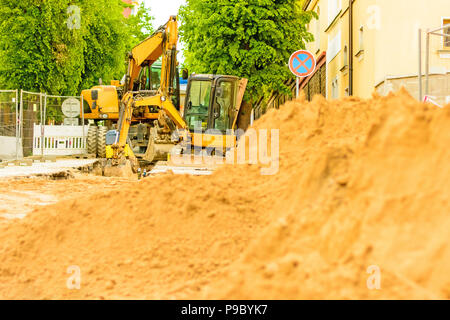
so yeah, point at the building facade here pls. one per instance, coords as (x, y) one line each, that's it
(383, 54)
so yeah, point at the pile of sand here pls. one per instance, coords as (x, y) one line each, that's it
(361, 183)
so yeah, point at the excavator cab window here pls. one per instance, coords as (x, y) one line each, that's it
(155, 77)
(176, 90)
(144, 82)
(197, 111)
(149, 78)
(223, 104)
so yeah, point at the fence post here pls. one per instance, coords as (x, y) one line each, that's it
(43, 117)
(17, 124)
(20, 120)
(83, 143)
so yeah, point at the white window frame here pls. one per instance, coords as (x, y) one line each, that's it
(318, 29)
(334, 46)
(337, 10)
(335, 88)
(361, 38)
(345, 53)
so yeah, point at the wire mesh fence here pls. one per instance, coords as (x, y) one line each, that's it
(63, 110)
(33, 123)
(31, 114)
(62, 127)
(8, 113)
(9, 142)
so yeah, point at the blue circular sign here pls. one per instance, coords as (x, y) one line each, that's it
(302, 63)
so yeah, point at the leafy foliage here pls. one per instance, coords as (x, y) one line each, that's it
(140, 25)
(246, 38)
(62, 46)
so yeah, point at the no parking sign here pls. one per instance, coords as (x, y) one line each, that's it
(302, 64)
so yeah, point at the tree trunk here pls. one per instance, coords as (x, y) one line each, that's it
(243, 121)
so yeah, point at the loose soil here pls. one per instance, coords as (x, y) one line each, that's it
(362, 185)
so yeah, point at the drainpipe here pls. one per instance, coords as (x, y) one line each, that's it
(350, 49)
(427, 65)
(420, 65)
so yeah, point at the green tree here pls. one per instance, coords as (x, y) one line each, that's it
(141, 25)
(63, 46)
(246, 38)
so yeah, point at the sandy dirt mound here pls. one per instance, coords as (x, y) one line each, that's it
(19, 196)
(361, 183)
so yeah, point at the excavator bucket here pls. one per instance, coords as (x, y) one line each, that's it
(123, 170)
(124, 167)
(158, 152)
(159, 146)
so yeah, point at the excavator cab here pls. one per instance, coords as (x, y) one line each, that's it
(149, 79)
(211, 103)
(211, 111)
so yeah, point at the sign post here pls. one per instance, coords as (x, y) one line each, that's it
(302, 64)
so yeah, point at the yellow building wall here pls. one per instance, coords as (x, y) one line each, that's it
(390, 40)
(363, 61)
(396, 43)
(321, 40)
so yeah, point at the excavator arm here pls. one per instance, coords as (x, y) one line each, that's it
(163, 43)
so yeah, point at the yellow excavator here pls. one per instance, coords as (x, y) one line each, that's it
(145, 116)
(144, 78)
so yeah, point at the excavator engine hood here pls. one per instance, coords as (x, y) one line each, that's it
(103, 102)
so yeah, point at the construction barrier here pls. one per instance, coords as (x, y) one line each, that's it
(59, 140)
(62, 130)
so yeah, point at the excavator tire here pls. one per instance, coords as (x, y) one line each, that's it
(92, 140)
(101, 142)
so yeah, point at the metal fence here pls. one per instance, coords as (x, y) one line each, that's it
(33, 123)
(63, 130)
(8, 112)
(31, 114)
(434, 88)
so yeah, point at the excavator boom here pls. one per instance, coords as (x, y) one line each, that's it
(163, 43)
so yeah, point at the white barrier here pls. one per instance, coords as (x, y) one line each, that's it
(10, 148)
(59, 140)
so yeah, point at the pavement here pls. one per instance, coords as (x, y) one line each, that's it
(194, 170)
(181, 170)
(44, 168)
